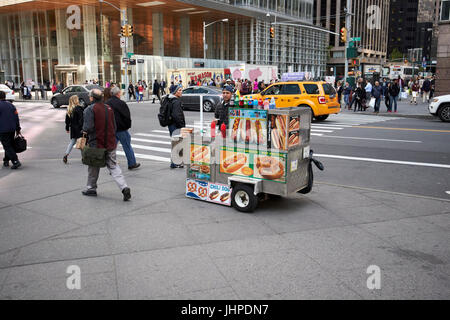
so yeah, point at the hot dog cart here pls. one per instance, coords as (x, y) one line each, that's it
(265, 152)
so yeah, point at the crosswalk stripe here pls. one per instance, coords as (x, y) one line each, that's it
(317, 134)
(146, 157)
(151, 141)
(151, 135)
(161, 131)
(326, 131)
(334, 128)
(139, 146)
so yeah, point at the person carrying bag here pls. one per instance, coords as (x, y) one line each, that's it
(100, 151)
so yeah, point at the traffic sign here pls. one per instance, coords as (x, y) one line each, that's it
(356, 39)
(125, 60)
(130, 54)
(122, 42)
(140, 60)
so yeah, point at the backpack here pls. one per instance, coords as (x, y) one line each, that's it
(165, 112)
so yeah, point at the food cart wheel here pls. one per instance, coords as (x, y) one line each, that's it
(243, 198)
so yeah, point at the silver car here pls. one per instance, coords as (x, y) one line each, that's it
(212, 97)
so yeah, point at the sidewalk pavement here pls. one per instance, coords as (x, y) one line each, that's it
(162, 245)
(405, 110)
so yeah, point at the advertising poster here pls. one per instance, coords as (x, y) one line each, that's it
(220, 194)
(294, 131)
(248, 126)
(253, 164)
(197, 189)
(200, 162)
(278, 132)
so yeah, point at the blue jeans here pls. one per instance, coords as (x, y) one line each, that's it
(377, 104)
(172, 128)
(125, 139)
(70, 146)
(346, 99)
(393, 101)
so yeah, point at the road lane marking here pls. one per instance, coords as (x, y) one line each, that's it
(403, 129)
(420, 164)
(329, 127)
(325, 131)
(152, 141)
(447, 192)
(372, 139)
(146, 157)
(317, 134)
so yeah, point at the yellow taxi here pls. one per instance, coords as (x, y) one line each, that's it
(320, 96)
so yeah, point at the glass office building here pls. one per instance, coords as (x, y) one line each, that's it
(74, 41)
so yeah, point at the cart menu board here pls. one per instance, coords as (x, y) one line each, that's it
(263, 165)
(294, 131)
(207, 191)
(200, 166)
(248, 126)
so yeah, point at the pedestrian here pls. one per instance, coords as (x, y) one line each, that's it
(340, 89)
(163, 87)
(255, 86)
(222, 110)
(400, 84)
(415, 92)
(123, 123)
(130, 91)
(74, 123)
(141, 92)
(9, 127)
(426, 88)
(106, 94)
(100, 127)
(387, 101)
(358, 98)
(136, 91)
(347, 91)
(156, 91)
(377, 93)
(394, 92)
(368, 89)
(177, 115)
(172, 86)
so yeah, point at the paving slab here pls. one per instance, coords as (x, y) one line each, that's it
(226, 293)
(229, 230)
(20, 227)
(64, 249)
(148, 232)
(7, 258)
(297, 213)
(284, 274)
(440, 220)
(100, 286)
(94, 229)
(345, 248)
(167, 272)
(367, 214)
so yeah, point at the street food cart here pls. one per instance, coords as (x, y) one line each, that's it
(264, 152)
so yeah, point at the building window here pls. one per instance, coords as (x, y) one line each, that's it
(445, 10)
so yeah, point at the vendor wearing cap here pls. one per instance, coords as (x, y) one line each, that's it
(221, 112)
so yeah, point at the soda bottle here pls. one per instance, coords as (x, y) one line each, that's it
(236, 100)
(272, 103)
(260, 104)
(245, 103)
(255, 104)
(241, 102)
(266, 104)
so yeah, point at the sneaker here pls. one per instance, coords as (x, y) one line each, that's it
(89, 193)
(137, 165)
(65, 159)
(16, 165)
(389, 111)
(126, 194)
(173, 166)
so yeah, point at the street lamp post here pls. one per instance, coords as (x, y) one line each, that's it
(123, 19)
(204, 34)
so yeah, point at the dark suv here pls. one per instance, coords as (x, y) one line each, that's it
(82, 91)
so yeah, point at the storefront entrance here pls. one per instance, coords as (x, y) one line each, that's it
(68, 75)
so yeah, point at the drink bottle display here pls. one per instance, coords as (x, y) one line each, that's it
(245, 102)
(272, 103)
(266, 104)
(241, 102)
(255, 104)
(236, 99)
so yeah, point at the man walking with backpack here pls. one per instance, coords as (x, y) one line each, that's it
(100, 127)
(171, 114)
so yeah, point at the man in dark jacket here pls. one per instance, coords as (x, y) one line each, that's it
(222, 110)
(130, 91)
(100, 127)
(156, 90)
(377, 93)
(123, 122)
(9, 126)
(177, 114)
(394, 92)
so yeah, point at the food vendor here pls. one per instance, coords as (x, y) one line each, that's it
(221, 112)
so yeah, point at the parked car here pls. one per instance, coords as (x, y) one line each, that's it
(317, 95)
(9, 93)
(212, 96)
(82, 91)
(440, 107)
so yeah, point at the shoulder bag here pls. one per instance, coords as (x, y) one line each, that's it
(96, 157)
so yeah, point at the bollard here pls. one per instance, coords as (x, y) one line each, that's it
(36, 95)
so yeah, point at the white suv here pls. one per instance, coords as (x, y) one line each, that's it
(9, 93)
(440, 107)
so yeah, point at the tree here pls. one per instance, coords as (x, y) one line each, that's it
(396, 54)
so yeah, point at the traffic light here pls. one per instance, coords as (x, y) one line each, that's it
(130, 30)
(272, 32)
(344, 35)
(123, 31)
(355, 62)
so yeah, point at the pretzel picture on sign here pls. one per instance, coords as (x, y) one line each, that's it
(192, 187)
(202, 192)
